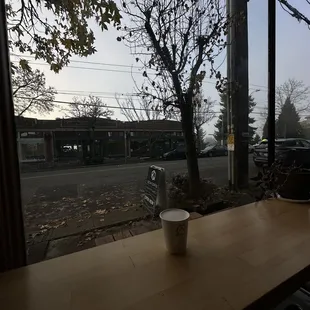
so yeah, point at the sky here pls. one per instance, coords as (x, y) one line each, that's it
(292, 61)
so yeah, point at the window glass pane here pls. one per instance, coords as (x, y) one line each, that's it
(289, 143)
(32, 151)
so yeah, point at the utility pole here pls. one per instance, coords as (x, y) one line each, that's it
(228, 101)
(239, 82)
(222, 140)
(271, 80)
(125, 145)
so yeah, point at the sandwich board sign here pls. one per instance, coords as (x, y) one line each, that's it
(155, 197)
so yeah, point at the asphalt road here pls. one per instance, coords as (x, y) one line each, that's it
(215, 168)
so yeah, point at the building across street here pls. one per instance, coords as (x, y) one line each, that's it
(85, 139)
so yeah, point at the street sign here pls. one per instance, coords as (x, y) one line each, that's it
(154, 197)
(231, 142)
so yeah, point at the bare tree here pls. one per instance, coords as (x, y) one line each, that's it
(298, 94)
(175, 39)
(296, 91)
(92, 107)
(294, 12)
(30, 92)
(143, 110)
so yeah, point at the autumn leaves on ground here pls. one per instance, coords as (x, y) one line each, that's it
(57, 211)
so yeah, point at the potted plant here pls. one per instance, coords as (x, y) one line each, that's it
(288, 177)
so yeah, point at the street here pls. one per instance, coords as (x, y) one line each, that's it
(215, 168)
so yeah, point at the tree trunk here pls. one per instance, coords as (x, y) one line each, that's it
(191, 154)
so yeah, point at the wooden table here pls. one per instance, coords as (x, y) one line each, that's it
(248, 257)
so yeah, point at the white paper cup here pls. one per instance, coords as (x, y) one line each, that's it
(175, 226)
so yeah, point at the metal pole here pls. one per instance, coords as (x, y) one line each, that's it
(271, 79)
(125, 145)
(228, 96)
(12, 238)
(240, 92)
(222, 142)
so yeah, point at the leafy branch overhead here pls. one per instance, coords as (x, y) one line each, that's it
(56, 30)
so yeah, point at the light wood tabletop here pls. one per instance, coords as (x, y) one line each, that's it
(248, 257)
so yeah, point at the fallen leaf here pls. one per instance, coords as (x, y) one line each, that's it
(101, 211)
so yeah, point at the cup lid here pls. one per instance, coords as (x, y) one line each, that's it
(174, 215)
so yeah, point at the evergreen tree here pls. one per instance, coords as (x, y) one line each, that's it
(200, 136)
(288, 125)
(221, 124)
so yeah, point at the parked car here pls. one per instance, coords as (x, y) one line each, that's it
(178, 153)
(214, 150)
(264, 141)
(283, 150)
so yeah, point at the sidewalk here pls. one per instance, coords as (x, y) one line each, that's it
(59, 210)
(101, 220)
(73, 210)
(79, 235)
(67, 245)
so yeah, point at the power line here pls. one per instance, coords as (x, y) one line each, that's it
(129, 95)
(109, 64)
(93, 105)
(89, 68)
(89, 92)
(121, 96)
(118, 107)
(133, 72)
(88, 62)
(137, 109)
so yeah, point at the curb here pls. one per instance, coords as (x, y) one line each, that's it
(120, 223)
(89, 166)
